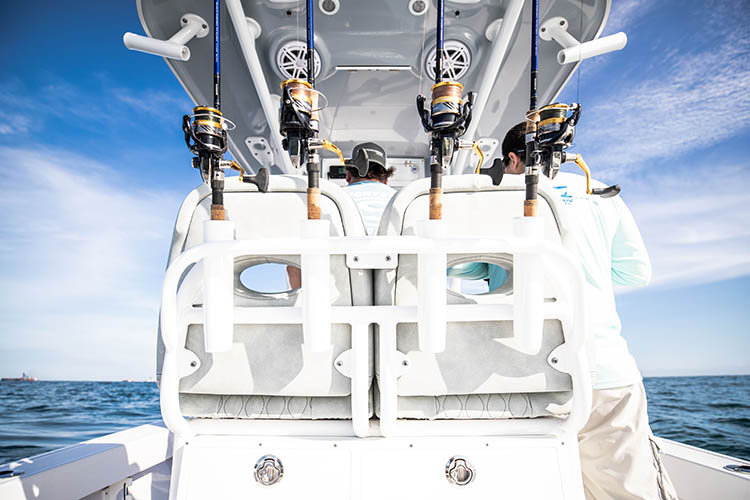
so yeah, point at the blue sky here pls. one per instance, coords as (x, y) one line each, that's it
(93, 167)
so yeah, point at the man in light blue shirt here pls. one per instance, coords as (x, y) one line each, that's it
(619, 458)
(367, 178)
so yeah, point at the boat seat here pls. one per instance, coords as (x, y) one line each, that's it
(481, 374)
(267, 374)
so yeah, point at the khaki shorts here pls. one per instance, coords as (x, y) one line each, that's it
(619, 458)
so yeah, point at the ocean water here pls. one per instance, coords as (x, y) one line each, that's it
(35, 417)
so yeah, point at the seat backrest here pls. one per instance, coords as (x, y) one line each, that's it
(482, 373)
(267, 374)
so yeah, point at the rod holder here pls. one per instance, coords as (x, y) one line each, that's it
(218, 290)
(192, 26)
(556, 28)
(316, 286)
(431, 283)
(528, 288)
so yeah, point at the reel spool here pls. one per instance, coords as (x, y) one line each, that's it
(206, 128)
(446, 104)
(298, 118)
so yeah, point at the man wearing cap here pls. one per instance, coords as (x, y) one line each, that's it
(367, 178)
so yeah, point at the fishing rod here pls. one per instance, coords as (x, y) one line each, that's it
(206, 137)
(532, 119)
(446, 120)
(299, 122)
(549, 132)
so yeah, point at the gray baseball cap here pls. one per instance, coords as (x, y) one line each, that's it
(365, 154)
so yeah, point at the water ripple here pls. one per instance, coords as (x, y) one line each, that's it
(708, 412)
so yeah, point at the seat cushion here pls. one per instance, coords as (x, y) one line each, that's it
(481, 374)
(267, 365)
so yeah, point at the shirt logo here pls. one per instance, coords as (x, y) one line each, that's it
(566, 198)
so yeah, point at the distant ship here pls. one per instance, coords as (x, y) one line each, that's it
(22, 378)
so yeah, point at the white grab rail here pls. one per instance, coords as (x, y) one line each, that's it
(570, 357)
(175, 48)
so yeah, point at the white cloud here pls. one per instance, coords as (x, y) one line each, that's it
(81, 265)
(696, 227)
(697, 99)
(624, 13)
(106, 105)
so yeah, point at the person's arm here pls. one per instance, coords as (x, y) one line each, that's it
(630, 263)
(294, 274)
(470, 271)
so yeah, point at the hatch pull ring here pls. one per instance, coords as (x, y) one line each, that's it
(268, 470)
(175, 48)
(459, 471)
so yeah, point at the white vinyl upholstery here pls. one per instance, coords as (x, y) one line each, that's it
(481, 374)
(267, 374)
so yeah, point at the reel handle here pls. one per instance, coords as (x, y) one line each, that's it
(607, 192)
(496, 171)
(261, 179)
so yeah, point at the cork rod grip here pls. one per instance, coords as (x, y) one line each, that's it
(218, 212)
(436, 203)
(313, 203)
(529, 208)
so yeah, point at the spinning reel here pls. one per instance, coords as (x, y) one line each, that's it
(206, 137)
(555, 132)
(298, 122)
(446, 120)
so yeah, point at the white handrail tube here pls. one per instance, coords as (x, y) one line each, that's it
(498, 51)
(528, 287)
(556, 28)
(431, 283)
(593, 48)
(316, 277)
(174, 48)
(247, 31)
(218, 296)
(570, 356)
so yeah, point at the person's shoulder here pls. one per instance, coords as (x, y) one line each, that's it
(569, 179)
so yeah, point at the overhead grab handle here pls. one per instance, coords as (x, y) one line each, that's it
(556, 28)
(174, 48)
